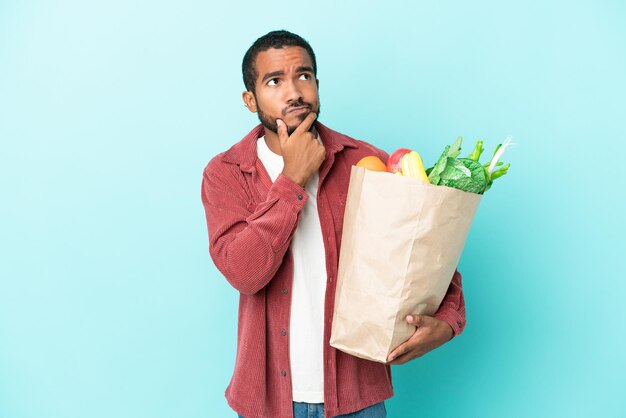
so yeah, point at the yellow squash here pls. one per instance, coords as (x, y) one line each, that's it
(412, 166)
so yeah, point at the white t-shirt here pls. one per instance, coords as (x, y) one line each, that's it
(306, 329)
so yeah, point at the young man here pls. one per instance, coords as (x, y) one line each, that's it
(274, 207)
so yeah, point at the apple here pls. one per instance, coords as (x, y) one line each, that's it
(394, 162)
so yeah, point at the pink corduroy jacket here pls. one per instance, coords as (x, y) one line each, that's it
(250, 223)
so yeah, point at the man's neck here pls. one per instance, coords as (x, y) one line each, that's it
(273, 143)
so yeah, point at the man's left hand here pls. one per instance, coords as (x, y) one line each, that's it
(430, 334)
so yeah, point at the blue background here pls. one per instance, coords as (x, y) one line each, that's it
(109, 110)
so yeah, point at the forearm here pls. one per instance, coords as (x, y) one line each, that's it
(248, 250)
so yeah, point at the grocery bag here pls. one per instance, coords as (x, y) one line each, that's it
(402, 241)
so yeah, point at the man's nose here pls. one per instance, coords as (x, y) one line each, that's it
(292, 92)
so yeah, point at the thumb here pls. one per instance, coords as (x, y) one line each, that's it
(282, 131)
(415, 320)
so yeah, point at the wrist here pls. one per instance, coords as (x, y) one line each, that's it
(295, 178)
(449, 331)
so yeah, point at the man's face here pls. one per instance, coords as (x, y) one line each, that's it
(286, 88)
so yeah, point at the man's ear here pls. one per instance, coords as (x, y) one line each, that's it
(249, 101)
(318, 83)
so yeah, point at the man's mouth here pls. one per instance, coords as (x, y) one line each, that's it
(298, 109)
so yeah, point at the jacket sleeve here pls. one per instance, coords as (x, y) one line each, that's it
(247, 244)
(452, 308)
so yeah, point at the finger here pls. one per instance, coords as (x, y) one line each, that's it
(418, 322)
(401, 359)
(400, 350)
(306, 123)
(415, 320)
(282, 130)
(417, 340)
(406, 357)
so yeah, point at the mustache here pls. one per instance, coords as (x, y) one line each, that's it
(298, 103)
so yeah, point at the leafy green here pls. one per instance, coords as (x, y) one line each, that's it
(440, 165)
(500, 172)
(467, 174)
(496, 174)
(478, 149)
(455, 149)
(451, 151)
(494, 155)
(464, 174)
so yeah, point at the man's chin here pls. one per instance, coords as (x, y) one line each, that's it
(301, 119)
(274, 128)
(271, 125)
(293, 123)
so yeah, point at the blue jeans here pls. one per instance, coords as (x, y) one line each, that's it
(316, 410)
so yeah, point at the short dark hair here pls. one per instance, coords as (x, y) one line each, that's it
(275, 39)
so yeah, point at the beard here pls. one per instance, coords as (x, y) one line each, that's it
(269, 122)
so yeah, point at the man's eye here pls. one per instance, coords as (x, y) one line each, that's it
(272, 82)
(305, 77)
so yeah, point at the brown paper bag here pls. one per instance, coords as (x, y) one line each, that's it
(402, 241)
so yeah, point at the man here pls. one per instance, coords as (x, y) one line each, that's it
(274, 206)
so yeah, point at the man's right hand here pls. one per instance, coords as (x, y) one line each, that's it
(302, 153)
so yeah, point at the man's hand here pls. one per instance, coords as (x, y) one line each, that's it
(302, 153)
(430, 334)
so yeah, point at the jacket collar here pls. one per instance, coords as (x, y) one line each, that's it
(244, 153)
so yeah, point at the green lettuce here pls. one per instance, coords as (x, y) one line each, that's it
(451, 151)
(467, 174)
(464, 174)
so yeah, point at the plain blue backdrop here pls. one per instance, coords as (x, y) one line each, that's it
(109, 110)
